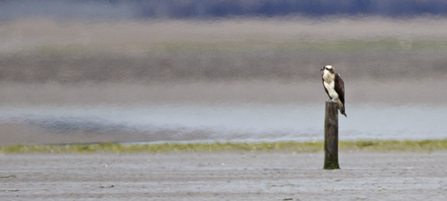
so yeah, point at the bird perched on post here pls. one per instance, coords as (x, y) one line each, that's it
(334, 87)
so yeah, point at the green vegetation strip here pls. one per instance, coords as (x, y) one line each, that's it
(363, 145)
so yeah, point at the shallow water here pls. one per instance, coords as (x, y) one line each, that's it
(232, 122)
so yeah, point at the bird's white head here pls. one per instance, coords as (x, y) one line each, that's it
(328, 68)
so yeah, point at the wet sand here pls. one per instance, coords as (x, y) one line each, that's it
(224, 176)
(398, 92)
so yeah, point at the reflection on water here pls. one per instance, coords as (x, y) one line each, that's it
(243, 122)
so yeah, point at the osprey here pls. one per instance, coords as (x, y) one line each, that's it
(334, 87)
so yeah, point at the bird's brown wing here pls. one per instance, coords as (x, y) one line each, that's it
(340, 88)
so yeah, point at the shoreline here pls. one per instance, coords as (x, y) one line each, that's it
(287, 146)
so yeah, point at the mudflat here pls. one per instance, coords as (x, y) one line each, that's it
(224, 176)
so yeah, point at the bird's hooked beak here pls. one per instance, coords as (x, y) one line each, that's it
(322, 69)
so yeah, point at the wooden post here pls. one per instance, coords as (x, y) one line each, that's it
(331, 136)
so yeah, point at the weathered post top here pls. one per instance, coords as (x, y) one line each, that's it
(331, 136)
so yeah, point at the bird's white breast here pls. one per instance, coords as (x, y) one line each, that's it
(331, 90)
(329, 84)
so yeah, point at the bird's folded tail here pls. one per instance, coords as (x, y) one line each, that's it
(341, 107)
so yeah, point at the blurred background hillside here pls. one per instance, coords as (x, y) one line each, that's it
(146, 41)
